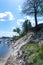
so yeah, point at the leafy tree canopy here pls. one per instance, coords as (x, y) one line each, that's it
(33, 7)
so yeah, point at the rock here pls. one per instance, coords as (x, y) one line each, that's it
(16, 55)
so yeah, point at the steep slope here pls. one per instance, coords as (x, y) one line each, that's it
(13, 59)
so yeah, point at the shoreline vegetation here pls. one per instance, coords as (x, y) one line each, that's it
(20, 48)
(27, 48)
(16, 51)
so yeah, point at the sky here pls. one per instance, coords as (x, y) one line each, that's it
(11, 17)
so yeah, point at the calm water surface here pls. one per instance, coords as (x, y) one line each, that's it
(4, 49)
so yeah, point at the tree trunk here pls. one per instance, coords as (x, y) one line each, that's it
(36, 19)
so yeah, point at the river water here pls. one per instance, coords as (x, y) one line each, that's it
(4, 49)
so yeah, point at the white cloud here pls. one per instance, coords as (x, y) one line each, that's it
(6, 16)
(19, 1)
(29, 17)
(6, 33)
(15, 0)
(40, 22)
(20, 21)
(19, 8)
(13, 28)
(32, 20)
(2, 19)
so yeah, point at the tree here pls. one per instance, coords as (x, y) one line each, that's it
(26, 25)
(33, 7)
(17, 30)
(29, 26)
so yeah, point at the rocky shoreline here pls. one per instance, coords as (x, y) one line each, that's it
(15, 57)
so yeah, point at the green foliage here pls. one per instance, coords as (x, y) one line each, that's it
(33, 7)
(34, 52)
(26, 25)
(25, 28)
(15, 38)
(31, 46)
(22, 34)
(41, 52)
(17, 30)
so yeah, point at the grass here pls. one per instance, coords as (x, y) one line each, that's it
(34, 52)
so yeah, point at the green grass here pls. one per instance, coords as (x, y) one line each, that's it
(34, 52)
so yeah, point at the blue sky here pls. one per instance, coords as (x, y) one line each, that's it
(11, 17)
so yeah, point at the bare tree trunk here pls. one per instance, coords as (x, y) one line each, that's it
(36, 19)
(35, 14)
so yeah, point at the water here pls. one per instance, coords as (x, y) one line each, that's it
(4, 49)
